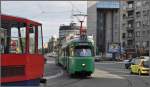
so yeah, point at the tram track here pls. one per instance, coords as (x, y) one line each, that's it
(145, 82)
(129, 83)
(71, 83)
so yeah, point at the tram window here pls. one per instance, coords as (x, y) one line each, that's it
(2, 44)
(23, 39)
(83, 51)
(40, 49)
(71, 50)
(2, 39)
(32, 40)
(17, 43)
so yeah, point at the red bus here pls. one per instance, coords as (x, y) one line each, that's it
(22, 62)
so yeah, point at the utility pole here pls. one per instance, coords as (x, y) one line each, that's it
(81, 21)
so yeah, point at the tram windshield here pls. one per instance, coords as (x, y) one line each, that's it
(83, 51)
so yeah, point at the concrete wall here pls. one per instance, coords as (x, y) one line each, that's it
(92, 17)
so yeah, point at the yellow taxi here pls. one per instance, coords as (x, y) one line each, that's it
(140, 66)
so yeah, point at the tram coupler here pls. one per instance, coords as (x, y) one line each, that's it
(43, 80)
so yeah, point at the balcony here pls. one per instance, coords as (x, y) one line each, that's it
(130, 8)
(130, 29)
(130, 14)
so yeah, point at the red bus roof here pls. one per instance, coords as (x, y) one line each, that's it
(10, 19)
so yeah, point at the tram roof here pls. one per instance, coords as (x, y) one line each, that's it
(14, 19)
(75, 40)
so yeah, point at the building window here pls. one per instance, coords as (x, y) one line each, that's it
(138, 33)
(124, 16)
(147, 44)
(138, 14)
(145, 23)
(144, 44)
(123, 35)
(130, 42)
(123, 44)
(130, 5)
(145, 13)
(143, 33)
(146, 3)
(138, 4)
(130, 35)
(137, 44)
(138, 24)
(130, 24)
(148, 32)
(130, 13)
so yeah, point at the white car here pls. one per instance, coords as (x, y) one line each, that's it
(97, 58)
(145, 57)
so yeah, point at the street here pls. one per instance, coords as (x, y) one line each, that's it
(75, 43)
(107, 74)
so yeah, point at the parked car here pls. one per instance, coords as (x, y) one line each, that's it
(140, 66)
(145, 57)
(129, 62)
(97, 58)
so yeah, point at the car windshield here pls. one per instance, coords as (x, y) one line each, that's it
(146, 64)
(83, 51)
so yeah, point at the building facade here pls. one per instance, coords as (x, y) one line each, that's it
(127, 23)
(138, 26)
(66, 30)
(104, 23)
(53, 44)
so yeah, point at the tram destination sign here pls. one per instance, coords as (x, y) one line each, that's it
(83, 44)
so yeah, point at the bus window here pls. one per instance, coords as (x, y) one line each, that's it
(83, 51)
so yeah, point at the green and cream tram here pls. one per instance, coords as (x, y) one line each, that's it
(77, 57)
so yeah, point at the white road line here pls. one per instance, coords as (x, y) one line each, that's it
(54, 76)
(105, 74)
(109, 63)
(50, 62)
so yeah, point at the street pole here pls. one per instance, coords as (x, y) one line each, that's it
(81, 27)
(81, 21)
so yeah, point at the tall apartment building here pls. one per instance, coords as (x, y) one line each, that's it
(138, 26)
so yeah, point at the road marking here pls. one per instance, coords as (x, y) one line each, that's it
(50, 62)
(54, 76)
(105, 74)
(108, 62)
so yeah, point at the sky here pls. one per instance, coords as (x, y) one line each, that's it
(51, 14)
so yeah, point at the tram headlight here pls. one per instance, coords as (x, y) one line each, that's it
(83, 65)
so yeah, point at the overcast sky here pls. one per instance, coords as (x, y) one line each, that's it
(50, 13)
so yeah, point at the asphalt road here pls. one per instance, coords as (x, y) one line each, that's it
(107, 74)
